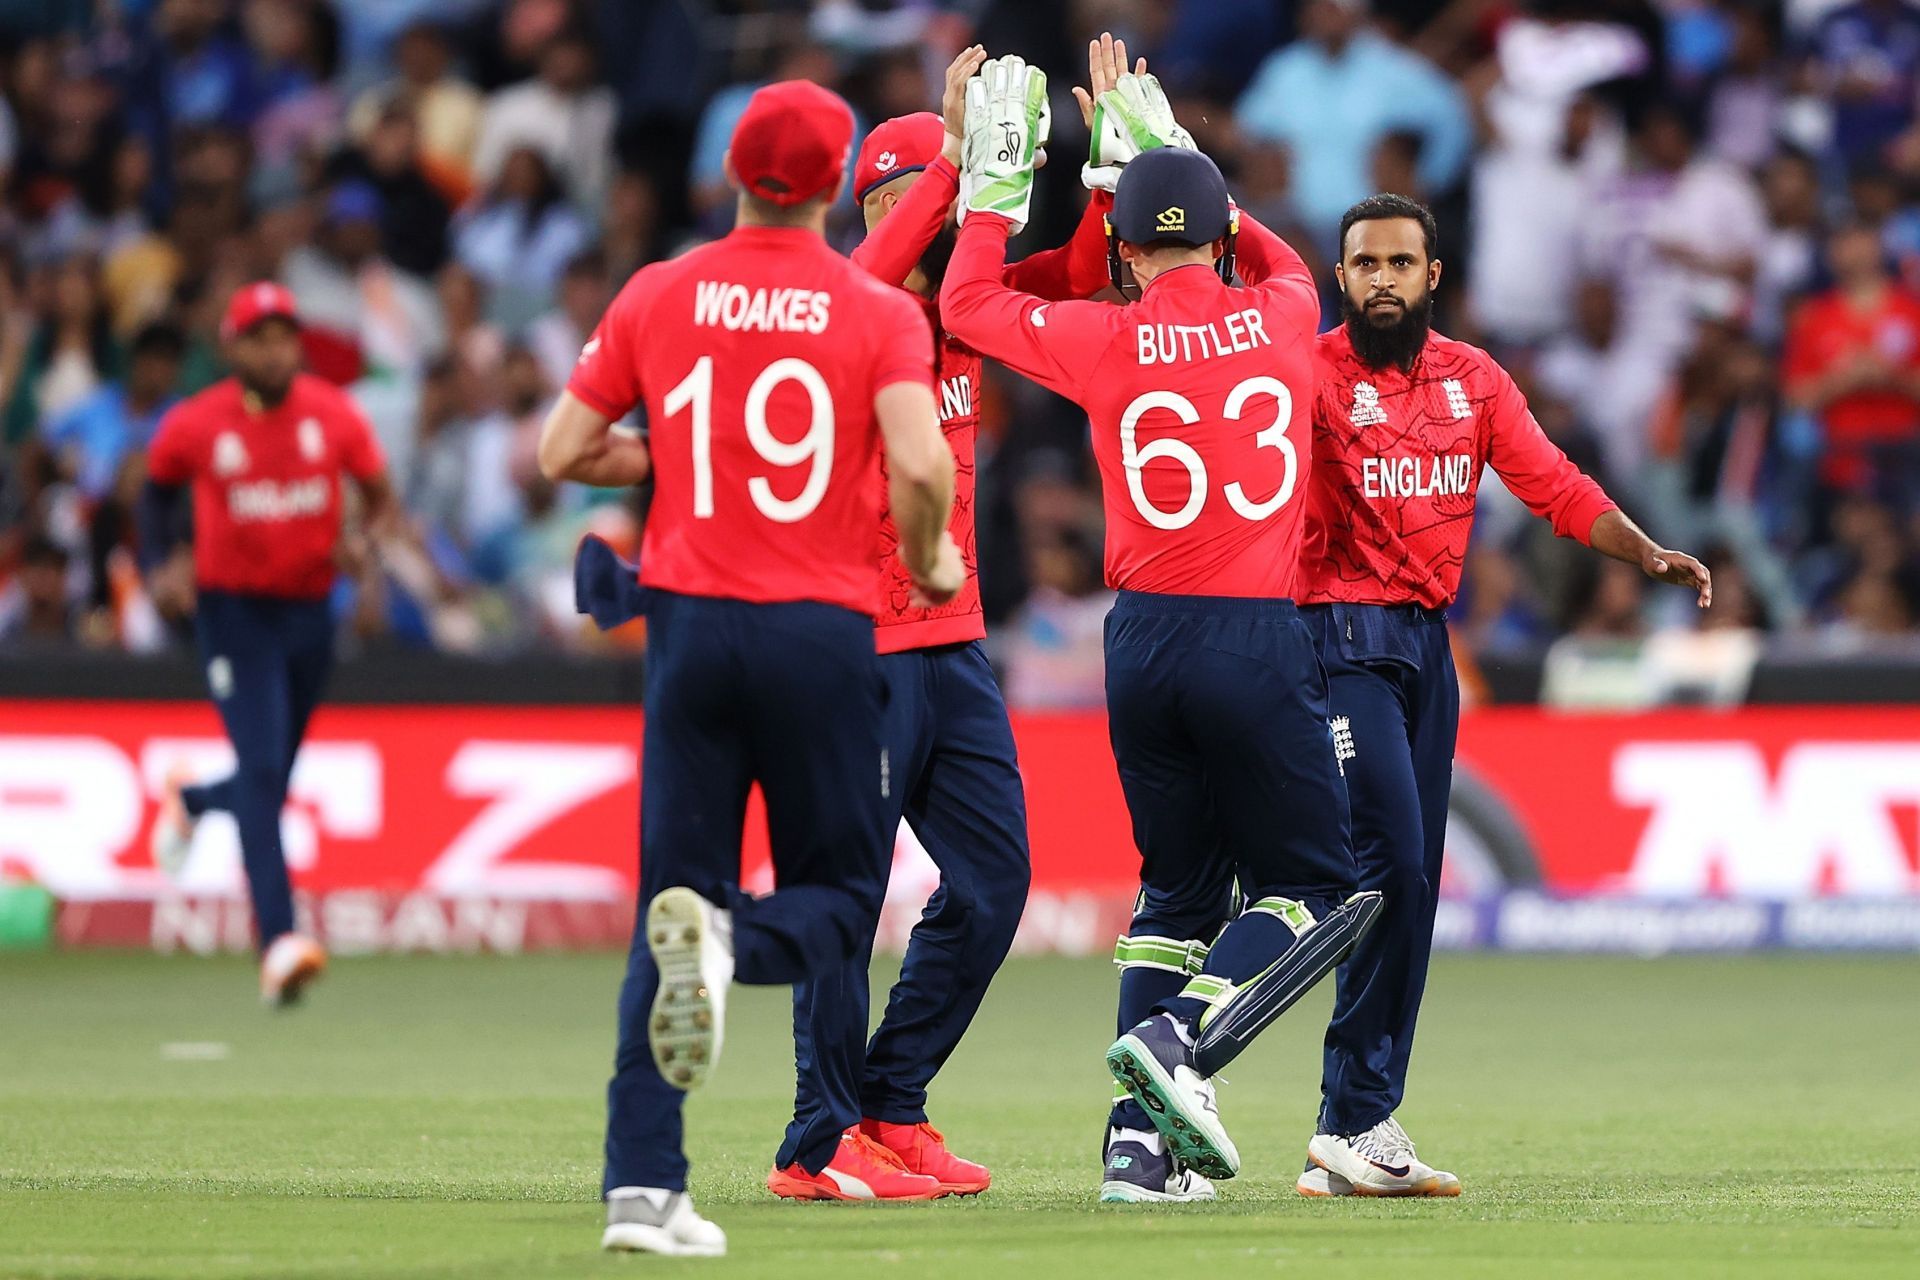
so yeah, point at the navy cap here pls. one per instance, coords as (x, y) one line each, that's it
(1170, 194)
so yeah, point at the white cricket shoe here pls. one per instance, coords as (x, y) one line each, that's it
(692, 944)
(292, 961)
(1140, 1171)
(654, 1220)
(172, 836)
(1379, 1162)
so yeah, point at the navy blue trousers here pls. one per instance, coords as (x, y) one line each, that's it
(954, 777)
(1391, 678)
(267, 662)
(1217, 709)
(788, 696)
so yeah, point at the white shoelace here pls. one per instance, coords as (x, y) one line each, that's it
(1386, 1142)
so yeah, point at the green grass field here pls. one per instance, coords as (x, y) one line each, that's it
(1749, 1117)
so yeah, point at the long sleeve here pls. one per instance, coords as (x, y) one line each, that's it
(161, 519)
(1057, 344)
(1261, 256)
(892, 249)
(1269, 264)
(1076, 269)
(1536, 470)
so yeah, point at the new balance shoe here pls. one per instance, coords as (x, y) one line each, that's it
(1154, 1062)
(1139, 1171)
(692, 944)
(292, 961)
(172, 836)
(923, 1150)
(1379, 1162)
(861, 1169)
(655, 1220)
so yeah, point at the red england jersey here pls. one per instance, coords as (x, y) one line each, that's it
(890, 252)
(1396, 466)
(758, 357)
(1198, 396)
(266, 483)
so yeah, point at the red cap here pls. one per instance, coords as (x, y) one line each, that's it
(792, 141)
(904, 144)
(252, 303)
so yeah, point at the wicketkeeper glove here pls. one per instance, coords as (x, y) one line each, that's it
(1131, 117)
(1007, 122)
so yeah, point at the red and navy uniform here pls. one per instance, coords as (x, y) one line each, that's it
(1199, 396)
(266, 489)
(1398, 457)
(758, 359)
(950, 746)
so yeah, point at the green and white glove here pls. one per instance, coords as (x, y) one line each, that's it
(1007, 122)
(1131, 117)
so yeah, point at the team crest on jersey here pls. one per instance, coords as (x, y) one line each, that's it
(229, 454)
(1366, 405)
(1457, 402)
(313, 442)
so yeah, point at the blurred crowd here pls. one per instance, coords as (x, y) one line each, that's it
(1690, 227)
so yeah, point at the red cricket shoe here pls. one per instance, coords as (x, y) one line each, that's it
(861, 1169)
(922, 1150)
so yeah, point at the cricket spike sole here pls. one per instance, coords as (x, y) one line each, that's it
(1442, 1186)
(1316, 952)
(684, 1023)
(1187, 1137)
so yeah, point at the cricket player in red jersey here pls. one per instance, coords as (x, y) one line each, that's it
(1403, 425)
(955, 777)
(264, 452)
(1198, 395)
(772, 370)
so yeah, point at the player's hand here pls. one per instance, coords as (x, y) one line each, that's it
(1007, 121)
(953, 102)
(943, 581)
(171, 586)
(1132, 117)
(1682, 570)
(1106, 63)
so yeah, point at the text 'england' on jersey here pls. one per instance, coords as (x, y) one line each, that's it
(758, 358)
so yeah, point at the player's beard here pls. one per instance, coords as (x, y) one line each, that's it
(933, 263)
(1398, 343)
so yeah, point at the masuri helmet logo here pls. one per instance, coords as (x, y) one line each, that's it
(1171, 218)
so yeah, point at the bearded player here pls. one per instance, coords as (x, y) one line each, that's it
(860, 1128)
(1199, 396)
(1403, 424)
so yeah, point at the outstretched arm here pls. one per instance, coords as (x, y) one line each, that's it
(895, 246)
(1617, 536)
(1076, 269)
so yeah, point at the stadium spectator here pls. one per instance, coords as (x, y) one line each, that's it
(557, 336)
(1321, 98)
(1852, 361)
(414, 212)
(94, 437)
(364, 313)
(562, 114)
(1865, 58)
(518, 238)
(446, 109)
(36, 608)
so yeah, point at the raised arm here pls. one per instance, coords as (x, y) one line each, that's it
(1056, 344)
(1076, 269)
(896, 244)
